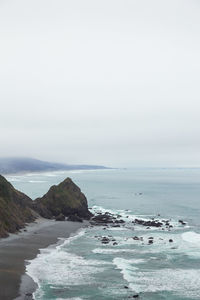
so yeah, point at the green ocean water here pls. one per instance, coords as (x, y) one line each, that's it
(81, 267)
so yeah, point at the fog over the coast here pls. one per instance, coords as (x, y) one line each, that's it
(101, 82)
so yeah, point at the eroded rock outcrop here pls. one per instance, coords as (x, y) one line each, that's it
(65, 198)
(62, 200)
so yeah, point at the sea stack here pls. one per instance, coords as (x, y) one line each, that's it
(62, 200)
(65, 198)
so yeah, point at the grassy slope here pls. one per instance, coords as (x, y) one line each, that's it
(15, 208)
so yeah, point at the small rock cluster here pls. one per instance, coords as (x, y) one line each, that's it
(107, 218)
(107, 239)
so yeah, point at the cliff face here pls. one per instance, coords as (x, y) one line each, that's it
(15, 208)
(65, 198)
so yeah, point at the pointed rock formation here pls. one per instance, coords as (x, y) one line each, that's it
(65, 198)
(62, 200)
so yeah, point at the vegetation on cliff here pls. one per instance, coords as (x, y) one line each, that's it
(65, 198)
(17, 209)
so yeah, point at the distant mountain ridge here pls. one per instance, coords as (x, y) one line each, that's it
(13, 165)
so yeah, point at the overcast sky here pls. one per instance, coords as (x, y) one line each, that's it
(102, 82)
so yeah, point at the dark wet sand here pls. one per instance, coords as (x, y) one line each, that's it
(14, 250)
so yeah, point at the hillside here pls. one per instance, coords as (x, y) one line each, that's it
(14, 165)
(15, 208)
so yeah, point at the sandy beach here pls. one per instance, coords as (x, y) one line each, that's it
(17, 248)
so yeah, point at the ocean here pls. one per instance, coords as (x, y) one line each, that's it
(81, 267)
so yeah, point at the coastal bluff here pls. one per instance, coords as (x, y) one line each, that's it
(62, 200)
(15, 209)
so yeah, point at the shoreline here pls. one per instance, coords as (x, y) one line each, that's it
(16, 249)
(24, 173)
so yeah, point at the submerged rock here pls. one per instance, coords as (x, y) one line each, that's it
(136, 238)
(150, 242)
(182, 222)
(105, 240)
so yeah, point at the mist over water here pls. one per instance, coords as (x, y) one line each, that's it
(103, 82)
(81, 267)
(113, 83)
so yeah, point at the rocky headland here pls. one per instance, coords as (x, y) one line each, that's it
(15, 209)
(14, 165)
(61, 201)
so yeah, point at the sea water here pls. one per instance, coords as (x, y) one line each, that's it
(81, 267)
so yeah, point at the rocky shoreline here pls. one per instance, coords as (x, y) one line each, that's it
(62, 201)
(109, 220)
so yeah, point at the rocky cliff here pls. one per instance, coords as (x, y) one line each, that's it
(15, 208)
(65, 198)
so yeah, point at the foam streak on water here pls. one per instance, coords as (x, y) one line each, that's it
(82, 267)
(79, 260)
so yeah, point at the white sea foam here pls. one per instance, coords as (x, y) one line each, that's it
(37, 181)
(192, 237)
(186, 243)
(125, 268)
(178, 281)
(72, 238)
(118, 229)
(191, 244)
(112, 251)
(13, 179)
(50, 174)
(182, 282)
(74, 298)
(58, 267)
(129, 217)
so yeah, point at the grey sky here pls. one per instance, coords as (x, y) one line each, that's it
(108, 82)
